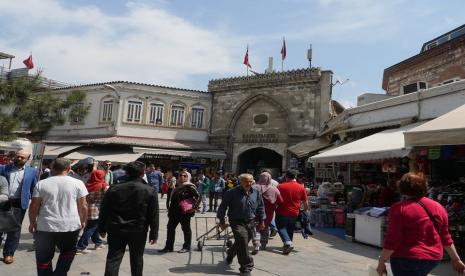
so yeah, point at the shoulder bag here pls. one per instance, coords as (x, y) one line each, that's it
(430, 216)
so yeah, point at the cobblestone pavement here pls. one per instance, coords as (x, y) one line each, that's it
(322, 254)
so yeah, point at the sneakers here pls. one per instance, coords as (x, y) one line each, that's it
(287, 249)
(82, 251)
(263, 247)
(255, 250)
(273, 232)
(99, 246)
(184, 250)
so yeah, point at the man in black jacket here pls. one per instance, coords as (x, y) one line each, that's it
(127, 211)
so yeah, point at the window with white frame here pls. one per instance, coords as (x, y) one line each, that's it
(197, 117)
(156, 113)
(134, 111)
(177, 115)
(107, 110)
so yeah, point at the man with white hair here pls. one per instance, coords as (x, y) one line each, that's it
(245, 206)
(21, 180)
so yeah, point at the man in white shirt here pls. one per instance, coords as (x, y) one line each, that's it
(57, 213)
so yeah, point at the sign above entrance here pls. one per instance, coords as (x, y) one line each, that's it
(259, 138)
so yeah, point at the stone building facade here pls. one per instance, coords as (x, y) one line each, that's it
(256, 118)
(441, 61)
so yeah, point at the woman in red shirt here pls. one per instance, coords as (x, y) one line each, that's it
(414, 242)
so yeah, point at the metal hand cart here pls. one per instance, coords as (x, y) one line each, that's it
(210, 231)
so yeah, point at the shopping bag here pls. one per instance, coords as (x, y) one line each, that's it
(10, 218)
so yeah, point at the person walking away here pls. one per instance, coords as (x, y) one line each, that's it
(57, 213)
(184, 201)
(127, 212)
(203, 188)
(418, 231)
(96, 187)
(21, 179)
(118, 172)
(293, 195)
(154, 178)
(271, 198)
(216, 190)
(244, 205)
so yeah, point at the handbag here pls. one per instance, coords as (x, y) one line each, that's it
(10, 218)
(187, 206)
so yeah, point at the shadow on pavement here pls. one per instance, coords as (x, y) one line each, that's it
(220, 268)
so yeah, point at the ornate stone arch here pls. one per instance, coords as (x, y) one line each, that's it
(251, 100)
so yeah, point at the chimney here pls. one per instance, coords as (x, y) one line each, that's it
(270, 66)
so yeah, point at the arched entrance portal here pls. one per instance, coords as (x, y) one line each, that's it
(255, 159)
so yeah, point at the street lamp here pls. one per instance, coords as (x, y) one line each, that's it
(118, 110)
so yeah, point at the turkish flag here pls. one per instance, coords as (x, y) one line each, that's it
(246, 58)
(283, 50)
(28, 62)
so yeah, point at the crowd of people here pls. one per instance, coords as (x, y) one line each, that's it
(69, 206)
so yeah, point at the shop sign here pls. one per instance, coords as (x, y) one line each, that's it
(434, 153)
(389, 167)
(324, 173)
(161, 156)
(259, 138)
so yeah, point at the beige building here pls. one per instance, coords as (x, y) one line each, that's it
(255, 119)
(161, 124)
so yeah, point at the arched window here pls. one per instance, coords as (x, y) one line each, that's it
(197, 115)
(156, 111)
(177, 114)
(134, 110)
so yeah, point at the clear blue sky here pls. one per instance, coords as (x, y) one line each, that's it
(187, 43)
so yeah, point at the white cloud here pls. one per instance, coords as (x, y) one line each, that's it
(84, 44)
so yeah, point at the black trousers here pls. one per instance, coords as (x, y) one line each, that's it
(117, 243)
(243, 233)
(45, 250)
(173, 222)
(213, 200)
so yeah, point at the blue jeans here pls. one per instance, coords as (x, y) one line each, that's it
(286, 226)
(12, 239)
(273, 225)
(90, 232)
(412, 267)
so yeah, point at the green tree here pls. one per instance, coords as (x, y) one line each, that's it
(25, 104)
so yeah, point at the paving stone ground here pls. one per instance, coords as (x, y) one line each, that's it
(322, 254)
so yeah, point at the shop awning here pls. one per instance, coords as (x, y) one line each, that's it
(118, 156)
(448, 129)
(383, 145)
(303, 148)
(390, 123)
(52, 151)
(212, 154)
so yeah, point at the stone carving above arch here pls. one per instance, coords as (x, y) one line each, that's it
(243, 106)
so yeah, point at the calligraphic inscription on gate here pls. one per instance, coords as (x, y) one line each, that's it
(259, 138)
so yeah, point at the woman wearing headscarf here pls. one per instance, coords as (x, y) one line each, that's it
(96, 186)
(271, 198)
(184, 201)
(418, 231)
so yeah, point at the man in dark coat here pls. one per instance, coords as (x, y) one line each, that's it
(127, 211)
